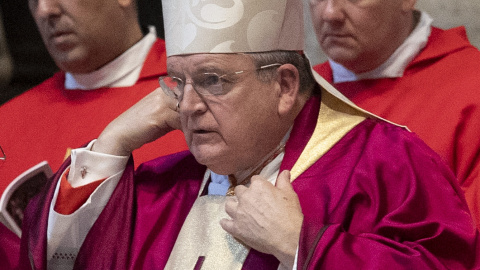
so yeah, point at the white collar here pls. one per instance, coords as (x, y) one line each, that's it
(123, 71)
(395, 65)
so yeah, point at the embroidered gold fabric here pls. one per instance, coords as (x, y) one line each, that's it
(337, 116)
(202, 235)
(335, 119)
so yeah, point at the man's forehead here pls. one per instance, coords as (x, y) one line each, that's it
(206, 62)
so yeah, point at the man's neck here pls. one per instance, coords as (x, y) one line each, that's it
(121, 72)
(267, 167)
(396, 64)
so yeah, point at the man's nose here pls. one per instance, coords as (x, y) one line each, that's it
(332, 10)
(192, 101)
(45, 8)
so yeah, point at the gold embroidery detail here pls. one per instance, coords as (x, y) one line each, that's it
(67, 154)
(335, 119)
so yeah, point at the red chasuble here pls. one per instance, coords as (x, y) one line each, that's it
(46, 121)
(437, 98)
(370, 202)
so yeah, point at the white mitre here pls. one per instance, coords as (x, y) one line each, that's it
(232, 26)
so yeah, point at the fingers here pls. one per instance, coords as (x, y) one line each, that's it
(283, 180)
(240, 190)
(231, 206)
(168, 109)
(228, 225)
(173, 103)
(258, 180)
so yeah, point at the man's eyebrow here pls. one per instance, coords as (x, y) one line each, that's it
(175, 72)
(201, 69)
(209, 69)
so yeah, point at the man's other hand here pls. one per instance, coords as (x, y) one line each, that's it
(265, 217)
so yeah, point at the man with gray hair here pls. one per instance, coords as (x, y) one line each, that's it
(282, 172)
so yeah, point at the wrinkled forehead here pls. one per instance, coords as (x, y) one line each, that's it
(207, 62)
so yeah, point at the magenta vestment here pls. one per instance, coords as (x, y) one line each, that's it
(438, 98)
(371, 202)
(9, 242)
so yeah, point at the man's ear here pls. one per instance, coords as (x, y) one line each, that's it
(288, 80)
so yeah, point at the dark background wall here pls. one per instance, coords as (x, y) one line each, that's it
(32, 63)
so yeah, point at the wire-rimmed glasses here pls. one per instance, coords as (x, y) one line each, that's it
(204, 83)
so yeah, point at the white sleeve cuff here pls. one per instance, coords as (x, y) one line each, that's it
(88, 166)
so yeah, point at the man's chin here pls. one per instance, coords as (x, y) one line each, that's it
(74, 63)
(215, 164)
(340, 55)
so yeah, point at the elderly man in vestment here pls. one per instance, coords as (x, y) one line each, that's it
(282, 171)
